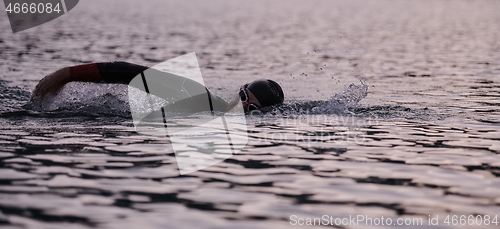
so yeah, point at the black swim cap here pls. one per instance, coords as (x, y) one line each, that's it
(267, 92)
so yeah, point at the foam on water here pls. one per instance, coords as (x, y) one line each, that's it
(348, 98)
(86, 98)
(12, 97)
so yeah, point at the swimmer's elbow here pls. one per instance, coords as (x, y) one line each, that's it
(65, 75)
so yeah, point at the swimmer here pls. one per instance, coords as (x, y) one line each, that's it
(254, 95)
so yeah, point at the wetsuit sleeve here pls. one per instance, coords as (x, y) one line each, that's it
(217, 103)
(85, 72)
(109, 72)
(119, 71)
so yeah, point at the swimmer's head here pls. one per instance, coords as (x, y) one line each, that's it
(261, 93)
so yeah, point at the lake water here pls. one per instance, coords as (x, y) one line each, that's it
(416, 134)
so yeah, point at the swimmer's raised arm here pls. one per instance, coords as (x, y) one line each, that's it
(109, 72)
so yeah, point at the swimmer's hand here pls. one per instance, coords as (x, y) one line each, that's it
(51, 84)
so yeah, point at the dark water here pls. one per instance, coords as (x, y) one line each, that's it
(424, 141)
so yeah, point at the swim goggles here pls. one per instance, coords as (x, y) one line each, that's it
(244, 99)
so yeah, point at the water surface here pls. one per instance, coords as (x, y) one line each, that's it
(420, 138)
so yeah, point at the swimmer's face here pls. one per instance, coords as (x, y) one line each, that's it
(248, 99)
